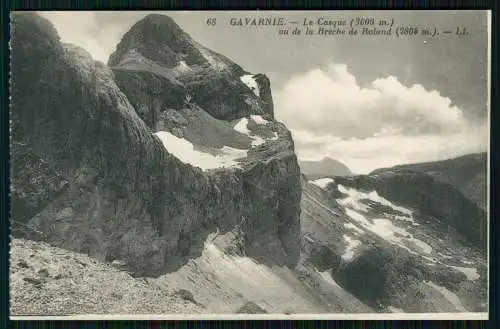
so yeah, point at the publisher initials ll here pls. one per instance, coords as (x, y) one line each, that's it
(461, 31)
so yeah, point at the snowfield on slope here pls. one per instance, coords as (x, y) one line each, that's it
(182, 67)
(322, 182)
(355, 199)
(390, 229)
(225, 282)
(382, 225)
(242, 127)
(351, 245)
(470, 272)
(386, 230)
(259, 119)
(184, 151)
(251, 83)
(351, 223)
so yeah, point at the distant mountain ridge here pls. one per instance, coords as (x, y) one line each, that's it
(325, 167)
(467, 173)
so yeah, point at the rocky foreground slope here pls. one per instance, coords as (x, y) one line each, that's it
(46, 280)
(164, 176)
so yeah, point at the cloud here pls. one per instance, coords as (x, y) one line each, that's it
(84, 30)
(383, 124)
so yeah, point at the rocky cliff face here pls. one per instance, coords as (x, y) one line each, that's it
(126, 197)
(158, 66)
(385, 252)
(34, 185)
(466, 173)
(435, 201)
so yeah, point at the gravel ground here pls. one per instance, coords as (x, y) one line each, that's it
(46, 280)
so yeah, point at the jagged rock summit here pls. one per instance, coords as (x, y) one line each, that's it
(157, 50)
(158, 38)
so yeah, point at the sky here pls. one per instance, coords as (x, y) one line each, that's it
(368, 102)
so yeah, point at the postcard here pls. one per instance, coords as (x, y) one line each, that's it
(250, 164)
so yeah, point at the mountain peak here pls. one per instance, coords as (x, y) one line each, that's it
(324, 167)
(158, 38)
(157, 46)
(159, 22)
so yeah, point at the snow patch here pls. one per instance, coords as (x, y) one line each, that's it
(357, 217)
(422, 245)
(444, 256)
(351, 245)
(353, 227)
(449, 295)
(251, 83)
(467, 262)
(431, 259)
(256, 140)
(322, 182)
(395, 309)
(327, 276)
(385, 229)
(183, 67)
(184, 151)
(259, 120)
(470, 272)
(397, 235)
(373, 196)
(405, 219)
(355, 199)
(242, 127)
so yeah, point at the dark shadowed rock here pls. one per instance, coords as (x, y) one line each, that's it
(321, 241)
(434, 201)
(323, 258)
(343, 234)
(127, 197)
(34, 184)
(377, 274)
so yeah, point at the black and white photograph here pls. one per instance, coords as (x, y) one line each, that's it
(249, 164)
